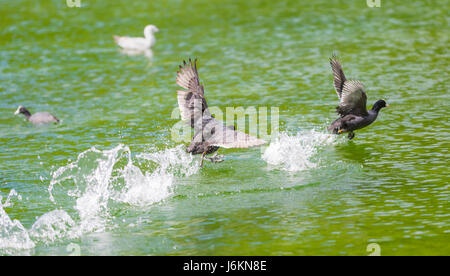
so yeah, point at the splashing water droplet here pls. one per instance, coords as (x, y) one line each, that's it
(13, 235)
(102, 177)
(294, 152)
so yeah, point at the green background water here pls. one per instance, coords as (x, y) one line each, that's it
(390, 185)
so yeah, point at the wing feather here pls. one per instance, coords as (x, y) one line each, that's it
(338, 75)
(192, 102)
(353, 99)
(213, 132)
(228, 137)
(351, 93)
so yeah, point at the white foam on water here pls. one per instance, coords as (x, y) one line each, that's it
(143, 189)
(53, 226)
(97, 182)
(13, 235)
(174, 160)
(294, 152)
(103, 178)
(91, 174)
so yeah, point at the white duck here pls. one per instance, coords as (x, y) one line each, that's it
(138, 43)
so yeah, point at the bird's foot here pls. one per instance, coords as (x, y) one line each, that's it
(203, 158)
(216, 158)
(351, 135)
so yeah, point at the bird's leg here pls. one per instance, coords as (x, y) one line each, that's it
(351, 134)
(216, 158)
(203, 156)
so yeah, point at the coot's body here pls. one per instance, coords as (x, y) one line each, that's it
(209, 133)
(37, 118)
(352, 105)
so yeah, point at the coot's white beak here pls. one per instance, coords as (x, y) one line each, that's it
(17, 111)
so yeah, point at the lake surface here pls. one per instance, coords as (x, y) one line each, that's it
(110, 180)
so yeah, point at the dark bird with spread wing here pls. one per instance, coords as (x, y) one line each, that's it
(352, 104)
(209, 134)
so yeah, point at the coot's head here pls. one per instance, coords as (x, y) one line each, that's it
(379, 105)
(22, 110)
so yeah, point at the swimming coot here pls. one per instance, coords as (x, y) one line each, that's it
(37, 118)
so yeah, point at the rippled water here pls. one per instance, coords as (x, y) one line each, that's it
(110, 180)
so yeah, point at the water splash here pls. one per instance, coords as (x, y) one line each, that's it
(13, 235)
(98, 182)
(53, 226)
(102, 179)
(174, 160)
(143, 189)
(92, 175)
(295, 152)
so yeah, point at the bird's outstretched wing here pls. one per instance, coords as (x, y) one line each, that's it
(353, 99)
(338, 75)
(227, 137)
(351, 93)
(192, 102)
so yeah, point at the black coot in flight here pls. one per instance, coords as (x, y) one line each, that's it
(209, 134)
(352, 104)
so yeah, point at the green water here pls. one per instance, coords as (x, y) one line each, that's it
(327, 196)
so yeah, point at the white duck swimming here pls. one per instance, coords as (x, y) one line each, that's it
(138, 43)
